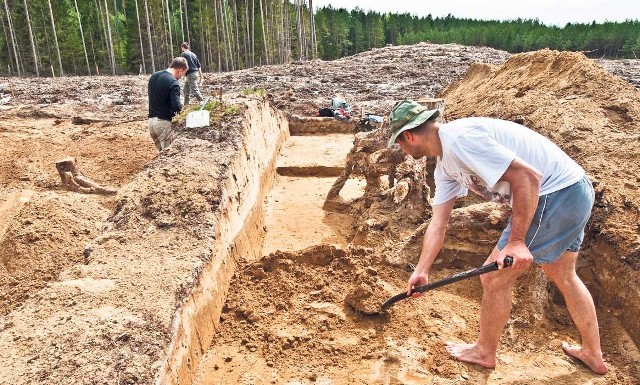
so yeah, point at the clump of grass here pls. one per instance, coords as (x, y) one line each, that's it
(216, 108)
(230, 110)
(255, 91)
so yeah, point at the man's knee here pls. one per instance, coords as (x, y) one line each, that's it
(499, 280)
(562, 271)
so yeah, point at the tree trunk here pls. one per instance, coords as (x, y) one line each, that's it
(84, 45)
(285, 31)
(112, 60)
(125, 20)
(208, 37)
(223, 37)
(271, 14)
(203, 52)
(43, 18)
(314, 41)
(181, 21)
(144, 67)
(55, 38)
(186, 21)
(253, 32)
(264, 33)
(215, 15)
(13, 40)
(6, 39)
(228, 36)
(164, 40)
(116, 29)
(102, 31)
(237, 35)
(33, 44)
(301, 53)
(247, 41)
(146, 10)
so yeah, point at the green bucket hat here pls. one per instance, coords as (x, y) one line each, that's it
(407, 114)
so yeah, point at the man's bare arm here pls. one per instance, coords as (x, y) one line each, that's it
(431, 243)
(525, 189)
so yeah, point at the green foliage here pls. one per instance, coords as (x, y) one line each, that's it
(231, 110)
(255, 91)
(139, 36)
(613, 40)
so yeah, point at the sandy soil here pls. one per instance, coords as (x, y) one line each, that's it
(286, 320)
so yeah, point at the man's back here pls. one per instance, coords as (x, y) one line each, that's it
(192, 61)
(477, 151)
(164, 96)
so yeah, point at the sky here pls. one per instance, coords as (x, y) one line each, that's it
(549, 12)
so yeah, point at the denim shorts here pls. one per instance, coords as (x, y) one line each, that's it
(559, 222)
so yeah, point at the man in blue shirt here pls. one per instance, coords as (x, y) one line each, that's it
(164, 102)
(191, 84)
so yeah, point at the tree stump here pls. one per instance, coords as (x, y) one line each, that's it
(73, 179)
(371, 158)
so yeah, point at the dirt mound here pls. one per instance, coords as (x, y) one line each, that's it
(293, 313)
(49, 236)
(591, 114)
(288, 318)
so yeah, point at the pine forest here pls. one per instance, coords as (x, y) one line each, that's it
(116, 37)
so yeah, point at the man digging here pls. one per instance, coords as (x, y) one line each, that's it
(551, 200)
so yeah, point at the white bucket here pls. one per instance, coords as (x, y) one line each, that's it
(198, 118)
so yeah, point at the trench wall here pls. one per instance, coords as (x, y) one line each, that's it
(239, 235)
(304, 125)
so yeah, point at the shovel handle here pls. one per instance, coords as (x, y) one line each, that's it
(204, 103)
(508, 261)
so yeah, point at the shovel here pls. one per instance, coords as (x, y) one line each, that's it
(508, 261)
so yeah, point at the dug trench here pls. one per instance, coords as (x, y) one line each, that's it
(308, 311)
(222, 260)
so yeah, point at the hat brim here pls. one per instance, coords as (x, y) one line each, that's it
(413, 123)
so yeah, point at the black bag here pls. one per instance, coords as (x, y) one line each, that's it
(326, 112)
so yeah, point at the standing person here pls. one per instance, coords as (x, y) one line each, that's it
(191, 84)
(164, 102)
(551, 200)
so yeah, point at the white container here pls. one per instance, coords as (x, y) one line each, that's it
(198, 118)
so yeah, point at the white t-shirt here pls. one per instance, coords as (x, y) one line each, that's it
(476, 152)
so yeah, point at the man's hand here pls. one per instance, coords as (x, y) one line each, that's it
(522, 257)
(417, 279)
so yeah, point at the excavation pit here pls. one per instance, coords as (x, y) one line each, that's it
(216, 263)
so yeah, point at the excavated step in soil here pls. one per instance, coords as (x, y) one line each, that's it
(306, 169)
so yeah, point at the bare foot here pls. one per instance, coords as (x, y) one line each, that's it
(471, 353)
(593, 361)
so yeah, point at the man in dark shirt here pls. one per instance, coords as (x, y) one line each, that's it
(164, 102)
(191, 83)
